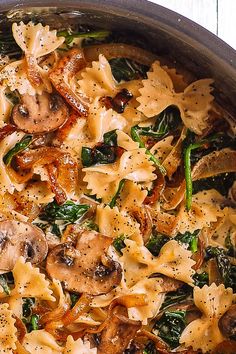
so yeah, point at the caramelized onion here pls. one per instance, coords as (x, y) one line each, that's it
(119, 50)
(66, 69)
(64, 130)
(21, 329)
(158, 188)
(81, 306)
(143, 217)
(60, 194)
(7, 130)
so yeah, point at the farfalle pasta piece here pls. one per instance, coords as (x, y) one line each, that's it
(194, 102)
(174, 261)
(100, 120)
(124, 141)
(162, 148)
(38, 192)
(8, 331)
(97, 81)
(7, 183)
(36, 41)
(130, 196)
(14, 76)
(29, 282)
(154, 298)
(78, 347)
(205, 209)
(113, 223)
(41, 342)
(103, 180)
(213, 301)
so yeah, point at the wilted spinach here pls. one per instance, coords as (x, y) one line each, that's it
(119, 189)
(189, 239)
(101, 154)
(19, 147)
(166, 123)
(156, 242)
(4, 284)
(126, 69)
(74, 298)
(110, 138)
(226, 269)
(230, 247)
(150, 349)
(222, 183)
(170, 327)
(68, 212)
(70, 35)
(119, 243)
(201, 279)
(30, 320)
(175, 297)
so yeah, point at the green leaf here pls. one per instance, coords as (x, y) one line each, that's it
(170, 327)
(102, 154)
(19, 147)
(89, 225)
(119, 244)
(150, 348)
(190, 239)
(69, 212)
(229, 245)
(120, 187)
(156, 242)
(124, 69)
(27, 305)
(74, 298)
(166, 122)
(110, 138)
(175, 297)
(70, 36)
(201, 279)
(226, 269)
(4, 284)
(222, 183)
(34, 322)
(135, 136)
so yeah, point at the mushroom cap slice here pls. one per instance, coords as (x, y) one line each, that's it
(227, 323)
(20, 239)
(40, 113)
(85, 268)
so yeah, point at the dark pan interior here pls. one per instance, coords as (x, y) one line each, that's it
(145, 24)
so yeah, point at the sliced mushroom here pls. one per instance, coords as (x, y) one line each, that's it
(118, 334)
(40, 113)
(227, 323)
(85, 268)
(20, 239)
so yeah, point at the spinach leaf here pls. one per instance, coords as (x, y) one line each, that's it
(170, 327)
(30, 320)
(119, 244)
(4, 284)
(175, 297)
(74, 298)
(222, 183)
(229, 245)
(8, 45)
(69, 211)
(155, 242)
(27, 305)
(201, 279)
(226, 269)
(119, 189)
(70, 36)
(89, 225)
(150, 349)
(110, 138)
(102, 154)
(166, 122)
(126, 69)
(19, 147)
(135, 136)
(189, 239)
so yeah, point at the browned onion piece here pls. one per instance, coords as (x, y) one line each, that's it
(143, 217)
(64, 130)
(217, 162)
(66, 69)
(120, 50)
(158, 187)
(120, 330)
(7, 130)
(225, 347)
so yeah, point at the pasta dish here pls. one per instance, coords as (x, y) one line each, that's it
(117, 200)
